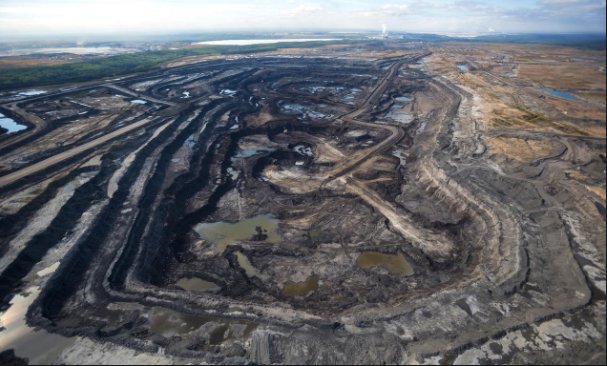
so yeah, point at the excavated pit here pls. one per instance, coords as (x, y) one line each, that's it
(331, 199)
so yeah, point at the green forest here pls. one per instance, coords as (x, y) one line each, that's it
(122, 64)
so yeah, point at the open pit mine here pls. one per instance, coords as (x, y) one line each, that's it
(339, 207)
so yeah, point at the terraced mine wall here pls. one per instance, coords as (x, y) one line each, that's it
(245, 210)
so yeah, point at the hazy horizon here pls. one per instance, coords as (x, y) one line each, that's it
(111, 19)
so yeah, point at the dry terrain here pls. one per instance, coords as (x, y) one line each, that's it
(402, 203)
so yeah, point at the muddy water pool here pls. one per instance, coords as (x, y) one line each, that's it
(394, 263)
(262, 228)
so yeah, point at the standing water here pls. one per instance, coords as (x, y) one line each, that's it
(38, 346)
(301, 288)
(196, 284)
(560, 94)
(10, 125)
(463, 67)
(262, 228)
(394, 263)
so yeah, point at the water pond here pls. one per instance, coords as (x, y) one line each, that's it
(262, 228)
(37, 345)
(245, 264)
(463, 67)
(196, 284)
(169, 322)
(394, 263)
(10, 124)
(31, 93)
(397, 111)
(247, 42)
(301, 288)
(559, 94)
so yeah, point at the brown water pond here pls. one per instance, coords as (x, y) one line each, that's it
(394, 263)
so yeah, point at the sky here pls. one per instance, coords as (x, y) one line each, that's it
(20, 18)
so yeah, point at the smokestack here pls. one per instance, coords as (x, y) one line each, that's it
(384, 32)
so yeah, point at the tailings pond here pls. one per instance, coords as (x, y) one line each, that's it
(10, 124)
(196, 284)
(394, 263)
(262, 228)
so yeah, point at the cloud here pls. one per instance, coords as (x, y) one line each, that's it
(568, 6)
(303, 10)
(388, 10)
(47, 17)
(114, 16)
(561, 2)
(394, 10)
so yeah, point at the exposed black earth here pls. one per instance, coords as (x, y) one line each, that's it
(296, 210)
